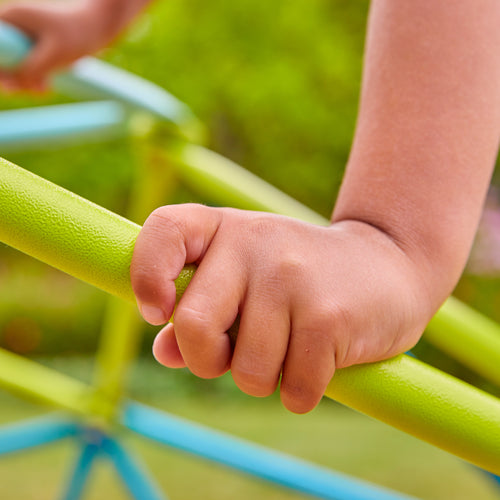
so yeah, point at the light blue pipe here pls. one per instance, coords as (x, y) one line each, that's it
(139, 484)
(35, 432)
(83, 465)
(92, 78)
(42, 125)
(250, 458)
(14, 46)
(494, 477)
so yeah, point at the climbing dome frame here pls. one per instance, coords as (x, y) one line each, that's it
(90, 243)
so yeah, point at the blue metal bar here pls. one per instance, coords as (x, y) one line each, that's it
(36, 126)
(35, 432)
(78, 479)
(14, 46)
(133, 475)
(494, 477)
(90, 77)
(250, 458)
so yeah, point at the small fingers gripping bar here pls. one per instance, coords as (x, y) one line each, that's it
(95, 245)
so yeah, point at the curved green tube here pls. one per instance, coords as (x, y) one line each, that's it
(88, 242)
(468, 336)
(66, 231)
(426, 403)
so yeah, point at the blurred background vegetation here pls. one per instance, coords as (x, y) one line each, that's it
(277, 85)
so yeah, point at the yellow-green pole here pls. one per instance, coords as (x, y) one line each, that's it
(48, 386)
(122, 325)
(468, 336)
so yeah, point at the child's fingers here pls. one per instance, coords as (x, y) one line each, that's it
(8, 84)
(310, 362)
(207, 310)
(171, 237)
(47, 53)
(166, 350)
(262, 342)
(38, 64)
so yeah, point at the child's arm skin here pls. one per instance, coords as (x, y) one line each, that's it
(313, 299)
(63, 31)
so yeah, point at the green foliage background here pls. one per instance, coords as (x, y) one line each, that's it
(276, 83)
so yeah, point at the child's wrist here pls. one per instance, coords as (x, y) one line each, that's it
(429, 286)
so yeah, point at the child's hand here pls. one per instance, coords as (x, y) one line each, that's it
(62, 32)
(310, 299)
(57, 43)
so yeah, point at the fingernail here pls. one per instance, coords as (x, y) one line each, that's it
(153, 314)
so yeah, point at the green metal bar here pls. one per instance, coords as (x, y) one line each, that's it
(45, 385)
(118, 345)
(426, 403)
(229, 184)
(122, 325)
(68, 232)
(467, 336)
(65, 231)
(404, 386)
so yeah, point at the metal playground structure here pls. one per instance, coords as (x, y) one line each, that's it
(90, 243)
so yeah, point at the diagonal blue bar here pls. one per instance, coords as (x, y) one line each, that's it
(250, 458)
(35, 432)
(494, 477)
(133, 475)
(81, 471)
(90, 77)
(36, 125)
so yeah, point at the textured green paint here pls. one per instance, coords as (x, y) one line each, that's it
(95, 245)
(66, 231)
(467, 336)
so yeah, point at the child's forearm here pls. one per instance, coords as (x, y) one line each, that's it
(428, 130)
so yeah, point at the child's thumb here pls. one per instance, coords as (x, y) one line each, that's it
(171, 237)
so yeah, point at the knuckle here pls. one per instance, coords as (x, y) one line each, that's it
(162, 220)
(323, 328)
(192, 324)
(254, 382)
(205, 370)
(291, 267)
(350, 353)
(259, 226)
